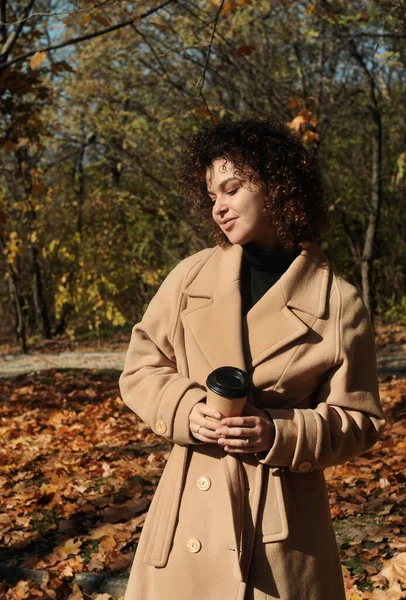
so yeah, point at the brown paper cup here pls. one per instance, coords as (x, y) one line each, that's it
(227, 391)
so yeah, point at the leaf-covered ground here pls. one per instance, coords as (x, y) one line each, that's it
(78, 470)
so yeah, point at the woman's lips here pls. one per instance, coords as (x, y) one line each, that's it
(229, 224)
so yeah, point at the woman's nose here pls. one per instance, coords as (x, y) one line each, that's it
(220, 206)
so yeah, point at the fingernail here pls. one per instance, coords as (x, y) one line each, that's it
(217, 415)
(218, 431)
(220, 441)
(223, 421)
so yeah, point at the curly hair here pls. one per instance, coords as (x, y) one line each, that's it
(269, 154)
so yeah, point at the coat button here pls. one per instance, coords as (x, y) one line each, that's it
(194, 545)
(304, 466)
(160, 427)
(204, 483)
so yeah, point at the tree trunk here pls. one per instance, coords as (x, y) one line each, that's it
(369, 249)
(17, 306)
(368, 253)
(41, 309)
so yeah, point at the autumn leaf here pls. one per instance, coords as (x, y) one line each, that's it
(294, 104)
(395, 592)
(71, 546)
(22, 590)
(394, 570)
(9, 147)
(37, 59)
(245, 50)
(202, 112)
(85, 20)
(159, 25)
(102, 20)
(38, 189)
(297, 122)
(76, 593)
(311, 136)
(332, 17)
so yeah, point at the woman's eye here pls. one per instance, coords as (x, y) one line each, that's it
(232, 192)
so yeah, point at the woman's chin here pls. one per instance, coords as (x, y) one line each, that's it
(235, 237)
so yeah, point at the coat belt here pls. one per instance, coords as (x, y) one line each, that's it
(244, 533)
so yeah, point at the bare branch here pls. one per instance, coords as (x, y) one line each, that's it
(200, 83)
(352, 240)
(88, 36)
(3, 23)
(53, 14)
(13, 37)
(376, 34)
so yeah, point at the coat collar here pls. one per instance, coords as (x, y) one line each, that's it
(280, 317)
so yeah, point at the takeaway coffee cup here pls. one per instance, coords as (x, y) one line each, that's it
(227, 391)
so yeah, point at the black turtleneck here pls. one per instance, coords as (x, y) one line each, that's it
(260, 269)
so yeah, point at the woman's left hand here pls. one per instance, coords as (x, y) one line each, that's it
(256, 426)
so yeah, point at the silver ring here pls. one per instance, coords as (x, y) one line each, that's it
(197, 430)
(247, 441)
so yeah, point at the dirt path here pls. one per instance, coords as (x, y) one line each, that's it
(16, 364)
(391, 361)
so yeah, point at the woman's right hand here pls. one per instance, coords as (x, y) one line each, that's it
(207, 431)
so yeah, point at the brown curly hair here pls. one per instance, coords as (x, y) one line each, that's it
(265, 152)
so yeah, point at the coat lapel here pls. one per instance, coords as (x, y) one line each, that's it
(216, 323)
(279, 318)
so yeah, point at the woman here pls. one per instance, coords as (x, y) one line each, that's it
(241, 511)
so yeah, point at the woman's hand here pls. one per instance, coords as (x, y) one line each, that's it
(255, 425)
(206, 427)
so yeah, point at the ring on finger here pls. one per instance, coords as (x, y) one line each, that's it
(247, 441)
(198, 429)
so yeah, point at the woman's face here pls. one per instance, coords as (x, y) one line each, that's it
(238, 207)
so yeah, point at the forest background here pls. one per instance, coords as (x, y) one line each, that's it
(96, 100)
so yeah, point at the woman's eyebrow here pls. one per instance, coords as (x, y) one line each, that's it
(223, 183)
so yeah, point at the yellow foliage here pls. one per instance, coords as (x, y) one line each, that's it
(150, 277)
(98, 304)
(88, 300)
(66, 254)
(113, 315)
(52, 245)
(13, 247)
(71, 332)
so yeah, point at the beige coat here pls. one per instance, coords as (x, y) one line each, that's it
(223, 527)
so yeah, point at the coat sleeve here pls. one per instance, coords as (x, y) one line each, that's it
(347, 418)
(150, 383)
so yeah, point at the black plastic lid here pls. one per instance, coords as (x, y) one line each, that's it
(230, 382)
